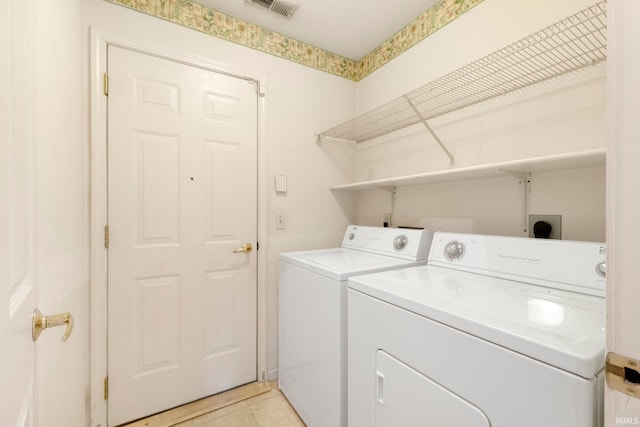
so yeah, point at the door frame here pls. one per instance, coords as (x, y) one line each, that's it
(99, 41)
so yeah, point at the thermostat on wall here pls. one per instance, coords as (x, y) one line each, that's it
(281, 183)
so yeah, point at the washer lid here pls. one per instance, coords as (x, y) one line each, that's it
(341, 263)
(557, 327)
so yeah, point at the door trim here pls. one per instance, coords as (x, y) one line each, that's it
(99, 41)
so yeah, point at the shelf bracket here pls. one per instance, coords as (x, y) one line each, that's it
(392, 190)
(426, 125)
(525, 180)
(394, 194)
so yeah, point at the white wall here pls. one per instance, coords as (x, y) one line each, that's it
(300, 101)
(496, 205)
(560, 116)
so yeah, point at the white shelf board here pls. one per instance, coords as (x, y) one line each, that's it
(575, 160)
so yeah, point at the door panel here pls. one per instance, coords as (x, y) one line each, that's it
(222, 161)
(158, 203)
(157, 344)
(182, 196)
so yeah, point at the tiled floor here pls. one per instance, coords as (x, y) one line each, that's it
(270, 409)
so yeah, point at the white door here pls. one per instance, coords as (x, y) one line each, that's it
(623, 200)
(182, 197)
(17, 282)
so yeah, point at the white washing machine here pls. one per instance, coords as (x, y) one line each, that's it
(494, 331)
(313, 314)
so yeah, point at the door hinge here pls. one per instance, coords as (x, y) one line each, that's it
(105, 84)
(261, 88)
(106, 388)
(106, 236)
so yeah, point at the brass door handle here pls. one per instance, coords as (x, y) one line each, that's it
(246, 248)
(39, 323)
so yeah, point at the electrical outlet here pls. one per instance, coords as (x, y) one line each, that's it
(555, 221)
(281, 222)
(386, 219)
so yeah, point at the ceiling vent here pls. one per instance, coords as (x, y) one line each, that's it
(282, 8)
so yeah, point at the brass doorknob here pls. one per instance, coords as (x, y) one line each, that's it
(39, 323)
(246, 248)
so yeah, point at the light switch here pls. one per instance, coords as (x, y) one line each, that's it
(281, 183)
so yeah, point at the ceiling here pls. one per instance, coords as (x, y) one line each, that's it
(350, 28)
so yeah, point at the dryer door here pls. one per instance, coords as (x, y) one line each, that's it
(405, 397)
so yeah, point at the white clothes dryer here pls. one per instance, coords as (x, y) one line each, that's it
(313, 314)
(493, 331)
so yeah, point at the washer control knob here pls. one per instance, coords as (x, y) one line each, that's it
(601, 269)
(454, 250)
(351, 236)
(400, 242)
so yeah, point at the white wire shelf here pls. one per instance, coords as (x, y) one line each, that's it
(573, 43)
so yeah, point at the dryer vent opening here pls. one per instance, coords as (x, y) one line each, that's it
(282, 8)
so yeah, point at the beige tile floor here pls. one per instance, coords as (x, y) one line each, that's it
(270, 409)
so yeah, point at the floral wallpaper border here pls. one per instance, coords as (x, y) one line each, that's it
(210, 21)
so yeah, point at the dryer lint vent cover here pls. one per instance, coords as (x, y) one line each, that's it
(282, 8)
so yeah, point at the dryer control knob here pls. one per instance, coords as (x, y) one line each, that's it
(601, 269)
(400, 242)
(454, 249)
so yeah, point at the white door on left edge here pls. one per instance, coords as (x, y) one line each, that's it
(18, 290)
(623, 206)
(182, 197)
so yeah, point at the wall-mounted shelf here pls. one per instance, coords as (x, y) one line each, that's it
(578, 160)
(571, 44)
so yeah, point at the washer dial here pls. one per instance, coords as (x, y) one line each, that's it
(400, 242)
(601, 269)
(454, 250)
